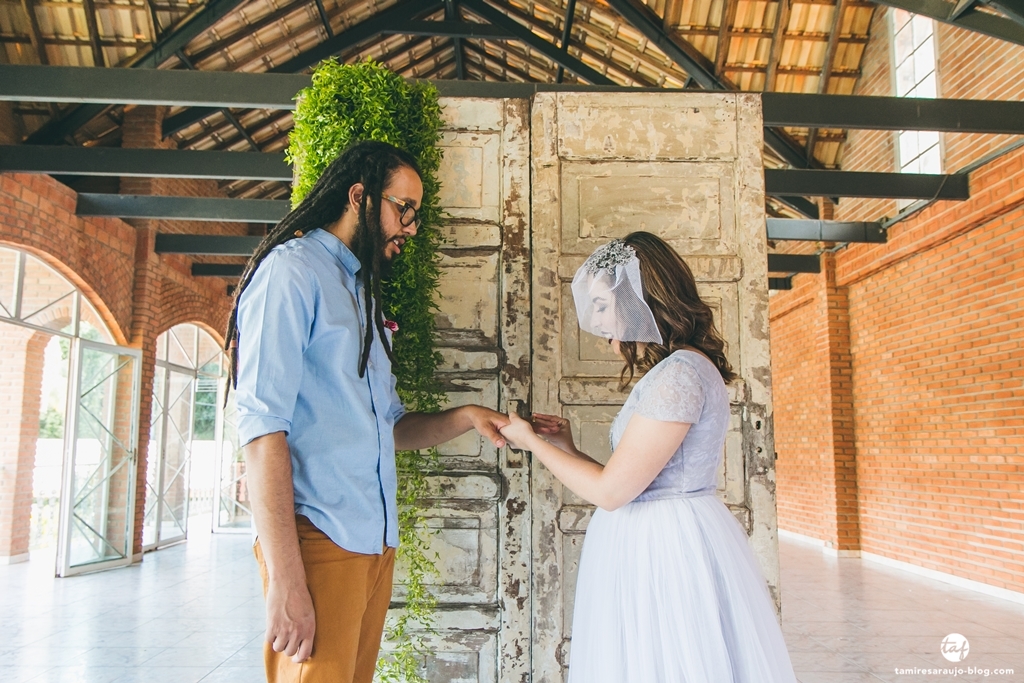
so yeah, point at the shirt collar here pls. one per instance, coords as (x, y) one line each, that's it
(342, 254)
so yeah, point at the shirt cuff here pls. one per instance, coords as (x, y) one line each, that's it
(254, 426)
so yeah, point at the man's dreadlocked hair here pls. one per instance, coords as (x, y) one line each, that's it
(371, 163)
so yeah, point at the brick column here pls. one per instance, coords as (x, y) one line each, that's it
(142, 128)
(844, 516)
(21, 380)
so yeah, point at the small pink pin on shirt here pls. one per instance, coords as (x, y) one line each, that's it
(391, 325)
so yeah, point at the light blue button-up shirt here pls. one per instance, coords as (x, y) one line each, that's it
(301, 323)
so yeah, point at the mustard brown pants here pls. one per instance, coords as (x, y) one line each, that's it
(351, 593)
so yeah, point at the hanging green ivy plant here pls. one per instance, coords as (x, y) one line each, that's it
(366, 101)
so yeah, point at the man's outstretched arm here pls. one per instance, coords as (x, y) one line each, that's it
(291, 621)
(426, 430)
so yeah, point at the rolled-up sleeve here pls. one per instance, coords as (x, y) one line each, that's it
(397, 408)
(275, 319)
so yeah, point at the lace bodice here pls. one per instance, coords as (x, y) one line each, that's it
(685, 387)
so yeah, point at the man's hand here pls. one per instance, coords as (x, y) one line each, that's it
(291, 622)
(487, 423)
(426, 430)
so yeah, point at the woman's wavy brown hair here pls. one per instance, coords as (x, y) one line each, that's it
(683, 319)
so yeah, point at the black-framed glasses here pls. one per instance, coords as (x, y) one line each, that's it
(406, 212)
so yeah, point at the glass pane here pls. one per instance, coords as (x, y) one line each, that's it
(8, 272)
(911, 166)
(904, 45)
(905, 79)
(234, 508)
(924, 62)
(901, 18)
(91, 325)
(209, 354)
(49, 460)
(908, 147)
(181, 345)
(156, 420)
(926, 88)
(177, 449)
(101, 470)
(161, 347)
(931, 161)
(926, 139)
(47, 299)
(922, 27)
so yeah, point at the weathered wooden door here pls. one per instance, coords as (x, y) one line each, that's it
(688, 168)
(480, 509)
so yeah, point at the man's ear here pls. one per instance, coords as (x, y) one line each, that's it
(355, 195)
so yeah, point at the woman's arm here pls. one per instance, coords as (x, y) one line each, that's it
(643, 451)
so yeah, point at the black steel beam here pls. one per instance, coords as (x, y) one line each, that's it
(207, 245)
(972, 20)
(892, 113)
(804, 207)
(361, 32)
(451, 13)
(347, 39)
(449, 29)
(799, 182)
(523, 34)
(175, 88)
(198, 22)
(144, 163)
(701, 70)
(217, 270)
(34, 83)
(824, 231)
(794, 263)
(1014, 9)
(324, 19)
(570, 17)
(780, 283)
(696, 65)
(183, 208)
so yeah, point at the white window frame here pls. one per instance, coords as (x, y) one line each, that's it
(913, 165)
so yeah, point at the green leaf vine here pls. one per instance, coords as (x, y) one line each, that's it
(366, 101)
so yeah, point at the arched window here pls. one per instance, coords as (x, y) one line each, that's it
(194, 466)
(72, 422)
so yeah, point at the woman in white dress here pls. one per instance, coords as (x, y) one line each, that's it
(669, 590)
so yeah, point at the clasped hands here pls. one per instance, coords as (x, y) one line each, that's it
(522, 433)
(519, 433)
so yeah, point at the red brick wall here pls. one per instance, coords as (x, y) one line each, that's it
(936, 366)
(21, 376)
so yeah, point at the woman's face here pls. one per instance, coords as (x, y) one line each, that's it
(602, 318)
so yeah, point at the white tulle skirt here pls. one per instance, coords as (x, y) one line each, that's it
(669, 591)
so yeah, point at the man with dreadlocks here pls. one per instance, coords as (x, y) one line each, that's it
(320, 419)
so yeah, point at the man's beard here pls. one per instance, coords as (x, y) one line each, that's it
(384, 265)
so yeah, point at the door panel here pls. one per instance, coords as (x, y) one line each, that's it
(98, 502)
(477, 505)
(686, 167)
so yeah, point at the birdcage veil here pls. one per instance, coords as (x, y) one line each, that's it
(609, 296)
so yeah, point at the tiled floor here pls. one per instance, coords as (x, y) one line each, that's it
(195, 612)
(851, 621)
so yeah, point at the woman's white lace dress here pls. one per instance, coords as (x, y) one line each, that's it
(669, 590)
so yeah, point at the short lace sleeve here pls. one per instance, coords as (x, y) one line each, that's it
(674, 395)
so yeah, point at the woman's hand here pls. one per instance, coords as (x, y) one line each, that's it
(518, 431)
(555, 430)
